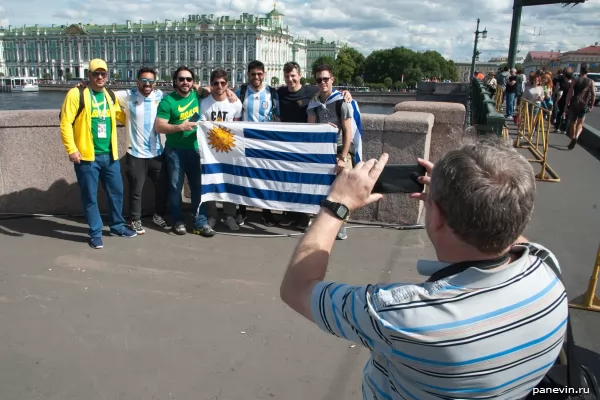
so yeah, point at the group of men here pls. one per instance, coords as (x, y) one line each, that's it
(88, 126)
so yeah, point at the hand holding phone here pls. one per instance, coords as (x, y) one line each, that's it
(400, 178)
(194, 118)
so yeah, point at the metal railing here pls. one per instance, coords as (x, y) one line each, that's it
(483, 114)
(533, 127)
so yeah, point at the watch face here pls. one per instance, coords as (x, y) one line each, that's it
(342, 211)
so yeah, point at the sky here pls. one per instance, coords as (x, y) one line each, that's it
(446, 26)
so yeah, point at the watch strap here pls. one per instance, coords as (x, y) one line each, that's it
(339, 210)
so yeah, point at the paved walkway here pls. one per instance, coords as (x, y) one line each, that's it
(167, 317)
(567, 220)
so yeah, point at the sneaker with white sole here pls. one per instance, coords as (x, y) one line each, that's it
(137, 227)
(125, 232)
(230, 223)
(160, 221)
(240, 219)
(179, 229)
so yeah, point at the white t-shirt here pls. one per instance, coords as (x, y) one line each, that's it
(213, 110)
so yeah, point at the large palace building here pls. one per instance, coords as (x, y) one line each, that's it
(202, 42)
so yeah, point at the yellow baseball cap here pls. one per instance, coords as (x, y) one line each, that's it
(97, 64)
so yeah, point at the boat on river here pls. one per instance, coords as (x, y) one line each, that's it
(19, 84)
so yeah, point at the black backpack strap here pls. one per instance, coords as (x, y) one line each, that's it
(274, 99)
(243, 90)
(81, 103)
(573, 376)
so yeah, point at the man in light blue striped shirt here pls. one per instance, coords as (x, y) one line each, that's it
(490, 327)
(144, 149)
(260, 104)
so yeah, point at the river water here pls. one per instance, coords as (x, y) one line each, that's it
(53, 100)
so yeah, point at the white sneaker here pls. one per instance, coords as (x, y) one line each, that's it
(230, 223)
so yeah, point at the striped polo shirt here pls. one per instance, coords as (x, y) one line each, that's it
(258, 105)
(478, 334)
(142, 139)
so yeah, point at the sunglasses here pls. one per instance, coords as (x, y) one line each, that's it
(323, 80)
(219, 83)
(185, 79)
(146, 81)
(97, 74)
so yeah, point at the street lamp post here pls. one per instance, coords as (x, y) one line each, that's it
(483, 36)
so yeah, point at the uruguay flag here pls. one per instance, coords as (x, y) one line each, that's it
(275, 166)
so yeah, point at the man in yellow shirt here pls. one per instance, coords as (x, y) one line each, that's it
(88, 125)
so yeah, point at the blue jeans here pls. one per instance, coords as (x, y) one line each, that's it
(109, 173)
(182, 162)
(510, 103)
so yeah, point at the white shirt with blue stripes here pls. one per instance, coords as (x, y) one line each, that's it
(142, 139)
(478, 334)
(258, 105)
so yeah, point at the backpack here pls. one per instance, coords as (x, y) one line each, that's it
(112, 95)
(584, 95)
(274, 96)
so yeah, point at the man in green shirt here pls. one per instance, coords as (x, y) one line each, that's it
(181, 150)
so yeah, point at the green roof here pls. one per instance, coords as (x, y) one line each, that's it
(274, 13)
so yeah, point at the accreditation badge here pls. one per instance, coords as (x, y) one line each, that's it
(101, 131)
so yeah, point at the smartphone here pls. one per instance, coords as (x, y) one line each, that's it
(195, 118)
(400, 178)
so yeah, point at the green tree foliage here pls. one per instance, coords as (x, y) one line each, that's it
(393, 63)
(323, 60)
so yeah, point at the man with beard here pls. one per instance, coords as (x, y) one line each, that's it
(293, 103)
(181, 150)
(260, 104)
(144, 148)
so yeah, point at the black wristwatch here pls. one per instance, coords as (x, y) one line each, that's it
(338, 209)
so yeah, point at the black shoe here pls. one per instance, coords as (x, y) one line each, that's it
(572, 144)
(268, 219)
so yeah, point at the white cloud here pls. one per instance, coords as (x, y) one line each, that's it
(442, 25)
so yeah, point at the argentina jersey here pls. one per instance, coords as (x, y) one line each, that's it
(259, 106)
(142, 139)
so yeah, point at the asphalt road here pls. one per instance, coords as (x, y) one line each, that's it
(178, 318)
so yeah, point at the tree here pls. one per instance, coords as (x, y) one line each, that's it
(358, 81)
(274, 81)
(68, 76)
(324, 60)
(116, 76)
(415, 67)
(303, 81)
(350, 64)
(388, 82)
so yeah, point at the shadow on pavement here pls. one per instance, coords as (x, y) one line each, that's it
(52, 228)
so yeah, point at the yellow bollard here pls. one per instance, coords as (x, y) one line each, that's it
(589, 301)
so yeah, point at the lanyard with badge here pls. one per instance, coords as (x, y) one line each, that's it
(101, 116)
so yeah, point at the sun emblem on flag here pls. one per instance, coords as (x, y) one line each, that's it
(221, 139)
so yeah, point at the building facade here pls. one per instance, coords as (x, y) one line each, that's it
(202, 42)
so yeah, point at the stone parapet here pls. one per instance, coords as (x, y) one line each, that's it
(448, 126)
(37, 177)
(405, 136)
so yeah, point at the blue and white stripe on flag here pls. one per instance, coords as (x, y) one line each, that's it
(275, 166)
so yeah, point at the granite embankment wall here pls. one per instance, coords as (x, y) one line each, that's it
(36, 176)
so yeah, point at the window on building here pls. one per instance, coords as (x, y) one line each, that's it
(228, 56)
(251, 55)
(205, 75)
(218, 54)
(205, 56)
(240, 56)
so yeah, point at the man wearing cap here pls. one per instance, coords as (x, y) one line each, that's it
(88, 126)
